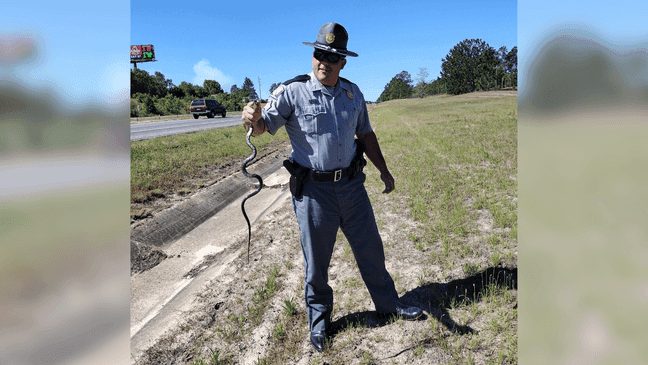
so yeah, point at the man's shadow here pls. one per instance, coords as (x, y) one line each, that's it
(436, 299)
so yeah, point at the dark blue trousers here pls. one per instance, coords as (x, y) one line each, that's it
(323, 208)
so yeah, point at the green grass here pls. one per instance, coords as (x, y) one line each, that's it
(443, 153)
(177, 163)
(450, 157)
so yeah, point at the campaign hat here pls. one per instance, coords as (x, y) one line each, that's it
(332, 37)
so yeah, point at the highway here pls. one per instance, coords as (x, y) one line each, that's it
(141, 131)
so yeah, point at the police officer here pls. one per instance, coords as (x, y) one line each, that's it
(323, 113)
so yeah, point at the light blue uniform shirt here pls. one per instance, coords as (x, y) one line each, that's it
(321, 125)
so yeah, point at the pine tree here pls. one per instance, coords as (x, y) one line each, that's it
(249, 86)
(469, 66)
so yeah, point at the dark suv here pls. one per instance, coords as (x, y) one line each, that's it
(208, 107)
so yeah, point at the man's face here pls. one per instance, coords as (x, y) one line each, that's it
(326, 72)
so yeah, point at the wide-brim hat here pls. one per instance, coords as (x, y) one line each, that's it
(332, 37)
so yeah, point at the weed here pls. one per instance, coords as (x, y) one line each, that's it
(513, 232)
(510, 255)
(474, 343)
(288, 264)
(419, 350)
(443, 344)
(367, 358)
(290, 308)
(470, 269)
(446, 247)
(352, 282)
(279, 331)
(379, 338)
(421, 280)
(348, 253)
(495, 325)
(496, 258)
(275, 271)
(494, 241)
(419, 245)
(215, 357)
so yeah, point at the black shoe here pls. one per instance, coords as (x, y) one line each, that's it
(408, 313)
(318, 339)
(404, 312)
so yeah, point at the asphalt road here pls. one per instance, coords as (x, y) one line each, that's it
(152, 130)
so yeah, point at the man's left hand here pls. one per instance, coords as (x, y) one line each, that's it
(388, 179)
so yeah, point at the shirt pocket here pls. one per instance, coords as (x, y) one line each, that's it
(310, 116)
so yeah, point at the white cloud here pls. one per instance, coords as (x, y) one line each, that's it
(205, 72)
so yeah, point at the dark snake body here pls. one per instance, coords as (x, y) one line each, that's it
(254, 153)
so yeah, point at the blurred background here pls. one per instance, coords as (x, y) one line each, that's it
(583, 197)
(64, 167)
(64, 191)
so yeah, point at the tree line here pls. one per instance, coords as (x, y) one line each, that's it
(157, 95)
(471, 65)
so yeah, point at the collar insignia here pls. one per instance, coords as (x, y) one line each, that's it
(350, 94)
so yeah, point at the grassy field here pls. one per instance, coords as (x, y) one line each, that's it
(455, 161)
(450, 236)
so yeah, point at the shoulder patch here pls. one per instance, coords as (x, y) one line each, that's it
(300, 78)
(278, 90)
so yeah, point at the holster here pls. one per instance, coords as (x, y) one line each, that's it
(298, 177)
(358, 163)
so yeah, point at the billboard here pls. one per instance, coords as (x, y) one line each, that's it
(142, 53)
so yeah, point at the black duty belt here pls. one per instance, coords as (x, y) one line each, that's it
(329, 176)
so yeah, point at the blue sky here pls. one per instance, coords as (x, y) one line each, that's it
(228, 41)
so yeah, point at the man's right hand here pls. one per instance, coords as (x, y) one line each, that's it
(251, 115)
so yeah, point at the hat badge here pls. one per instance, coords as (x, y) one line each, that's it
(330, 38)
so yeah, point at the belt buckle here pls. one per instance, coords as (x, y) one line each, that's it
(338, 176)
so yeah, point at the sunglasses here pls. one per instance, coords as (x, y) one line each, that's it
(330, 57)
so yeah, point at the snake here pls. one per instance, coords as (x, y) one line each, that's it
(243, 169)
